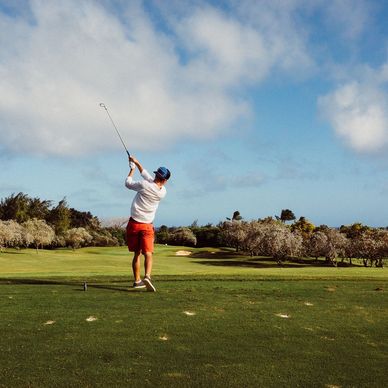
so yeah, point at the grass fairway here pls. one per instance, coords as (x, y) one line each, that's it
(216, 320)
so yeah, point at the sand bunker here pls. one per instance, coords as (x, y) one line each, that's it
(182, 253)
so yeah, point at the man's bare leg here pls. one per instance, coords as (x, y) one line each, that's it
(148, 263)
(148, 269)
(136, 266)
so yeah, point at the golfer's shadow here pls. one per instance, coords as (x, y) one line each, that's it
(80, 286)
(111, 288)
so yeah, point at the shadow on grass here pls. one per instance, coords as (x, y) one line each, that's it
(228, 258)
(79, 285)
(249, 264)
(14, 252)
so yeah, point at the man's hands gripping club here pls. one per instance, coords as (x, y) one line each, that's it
(133, 163)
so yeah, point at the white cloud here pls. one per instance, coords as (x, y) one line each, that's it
(358, 112)
(223, 51)
(60, 62)
(285, 36)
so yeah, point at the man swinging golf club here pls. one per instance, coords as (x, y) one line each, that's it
(140, 230)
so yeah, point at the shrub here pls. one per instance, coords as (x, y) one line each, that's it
(77, 237)
(182, 236)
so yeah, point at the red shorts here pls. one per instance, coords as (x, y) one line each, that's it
(140, 237)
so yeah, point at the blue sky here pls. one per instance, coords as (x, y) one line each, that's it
(255, 106)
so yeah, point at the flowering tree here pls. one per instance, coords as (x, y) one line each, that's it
(11, 234)
(317, 245)
(254, 237)
(17, 233)
(5, 235)
(234, 233)
(328, 243)
(337, 245)
(371, 246)
(264, 237)
(280, 243)
(383, 250)
(38, 233)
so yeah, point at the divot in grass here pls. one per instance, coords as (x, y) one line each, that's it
(189, 313)
(175, 375)
(327, 338)
(49, 323)
(91, 319)
(283, 315)
(308, 304)
(163, 338)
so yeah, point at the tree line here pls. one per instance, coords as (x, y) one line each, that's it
(26, 222)
(273, 237)
(32, 222)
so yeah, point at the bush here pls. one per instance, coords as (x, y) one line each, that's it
(77, 237)
(207, 236)
(182, 236)
(103, 238)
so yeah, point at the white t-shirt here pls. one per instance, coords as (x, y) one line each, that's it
(147, 199)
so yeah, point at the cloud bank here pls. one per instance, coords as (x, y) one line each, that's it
(61, 59)
(169, 71)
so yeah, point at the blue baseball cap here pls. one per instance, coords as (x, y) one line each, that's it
(163, 172)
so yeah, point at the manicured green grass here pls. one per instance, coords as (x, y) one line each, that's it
(90, 262)
(219, 323)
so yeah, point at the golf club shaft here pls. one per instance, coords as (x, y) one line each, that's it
(114, 125)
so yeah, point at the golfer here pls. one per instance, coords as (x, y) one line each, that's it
(140, 230)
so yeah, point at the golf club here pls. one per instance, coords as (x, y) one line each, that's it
(105, 107)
